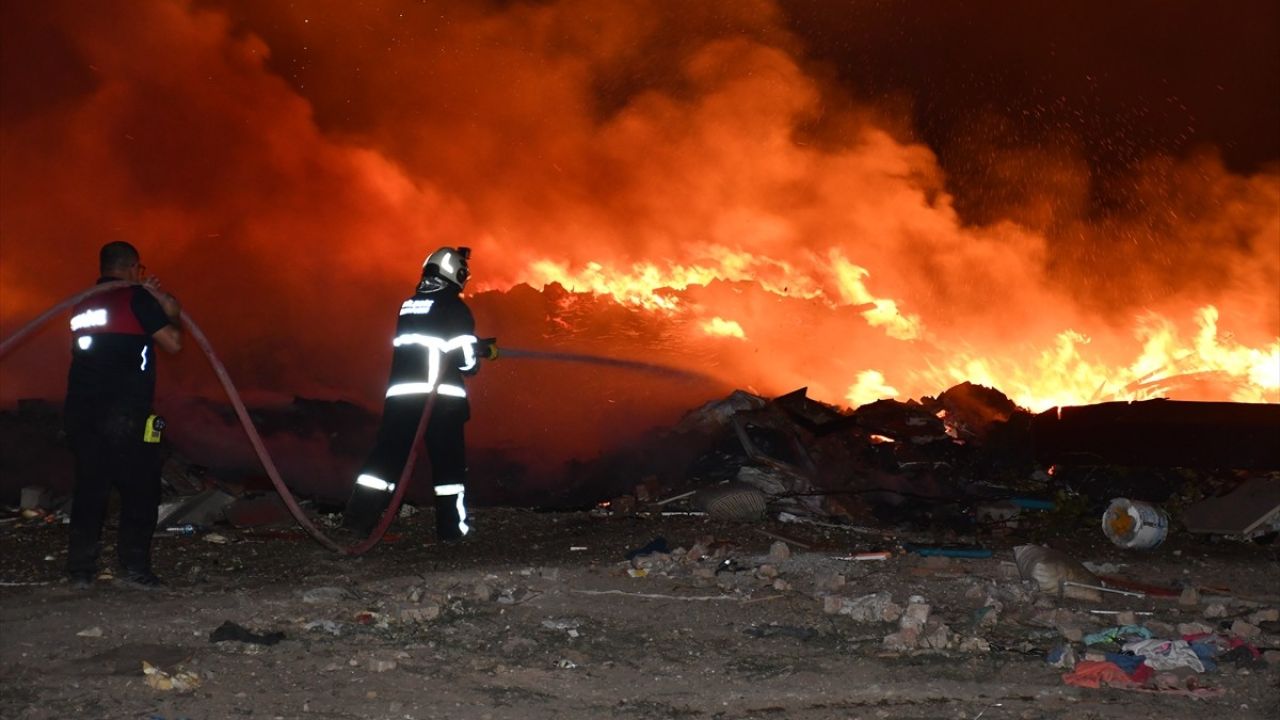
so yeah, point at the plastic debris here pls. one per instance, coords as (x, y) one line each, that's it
(234, 632)
(185, 681)
(1166, 654)
(1049, 569)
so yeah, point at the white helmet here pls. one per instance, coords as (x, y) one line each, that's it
(448, 263)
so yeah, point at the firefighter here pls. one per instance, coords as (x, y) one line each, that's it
(434, 347)
(111, 427)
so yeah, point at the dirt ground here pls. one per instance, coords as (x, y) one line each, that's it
(540, 615)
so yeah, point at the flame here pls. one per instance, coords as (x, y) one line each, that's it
(726, 328)
(884, 312)
(1168, 362)
(643, 284)
(1067, 374)
(677, 167)
(870, 387)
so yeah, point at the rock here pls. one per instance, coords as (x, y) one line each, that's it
(767, 571)
(1068, 624)
(1126, 617)
(329, 626)
(987, 616)
(990, 612)
(1272, 657)
(916, 614)
(779, 551)
(781, 585)
(975, 645)
(1161, 629)
(1216, 610)
(877, 607)
(832, 604)
(93, 632)
(420, 613)
(903, 640)
(324, 595)
(519, 647)
(1189, 596)
(696, 552)
(1245, 630)
(1072, 633)
(1194, 628)
(483, 592)
(829, 582)
(937, 637)
(1261, 616)
(513, 596)
(380, 664)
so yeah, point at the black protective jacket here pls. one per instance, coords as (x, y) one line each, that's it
(435, 344)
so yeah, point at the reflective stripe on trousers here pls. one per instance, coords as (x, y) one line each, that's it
(375, 483)
(457, 490)
(422, 388)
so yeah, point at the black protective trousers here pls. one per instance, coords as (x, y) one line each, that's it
(106, 437)
(446, 450)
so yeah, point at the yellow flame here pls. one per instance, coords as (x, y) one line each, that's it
(885, 313)
(725, 328)
(870, 387)
(1065, 374)
(642, 284)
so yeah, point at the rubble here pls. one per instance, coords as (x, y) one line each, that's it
(891, 539)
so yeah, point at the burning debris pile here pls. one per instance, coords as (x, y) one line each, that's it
(968, 463)
(885, 459)
(967, 460)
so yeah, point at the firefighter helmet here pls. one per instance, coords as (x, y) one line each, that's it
(448, 263)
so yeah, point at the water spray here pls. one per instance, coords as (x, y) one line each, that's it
(637, 365)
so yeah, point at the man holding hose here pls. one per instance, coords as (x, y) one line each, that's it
(113, 431)
(434, 347)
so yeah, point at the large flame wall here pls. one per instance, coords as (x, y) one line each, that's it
(709, 184)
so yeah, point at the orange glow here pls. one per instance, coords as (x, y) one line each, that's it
(679, 183)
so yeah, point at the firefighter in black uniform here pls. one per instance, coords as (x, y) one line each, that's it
(434, 347)
(110, 425)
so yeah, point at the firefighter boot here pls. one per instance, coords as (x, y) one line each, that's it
(365, 508)
(451, 512)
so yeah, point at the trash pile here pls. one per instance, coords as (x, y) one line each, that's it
(1042, 603)
(947, 487)
(968, 461)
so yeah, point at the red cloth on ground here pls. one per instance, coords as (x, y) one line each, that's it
(1097, 674)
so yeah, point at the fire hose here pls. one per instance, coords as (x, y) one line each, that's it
(254, 438)
(259, 448)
